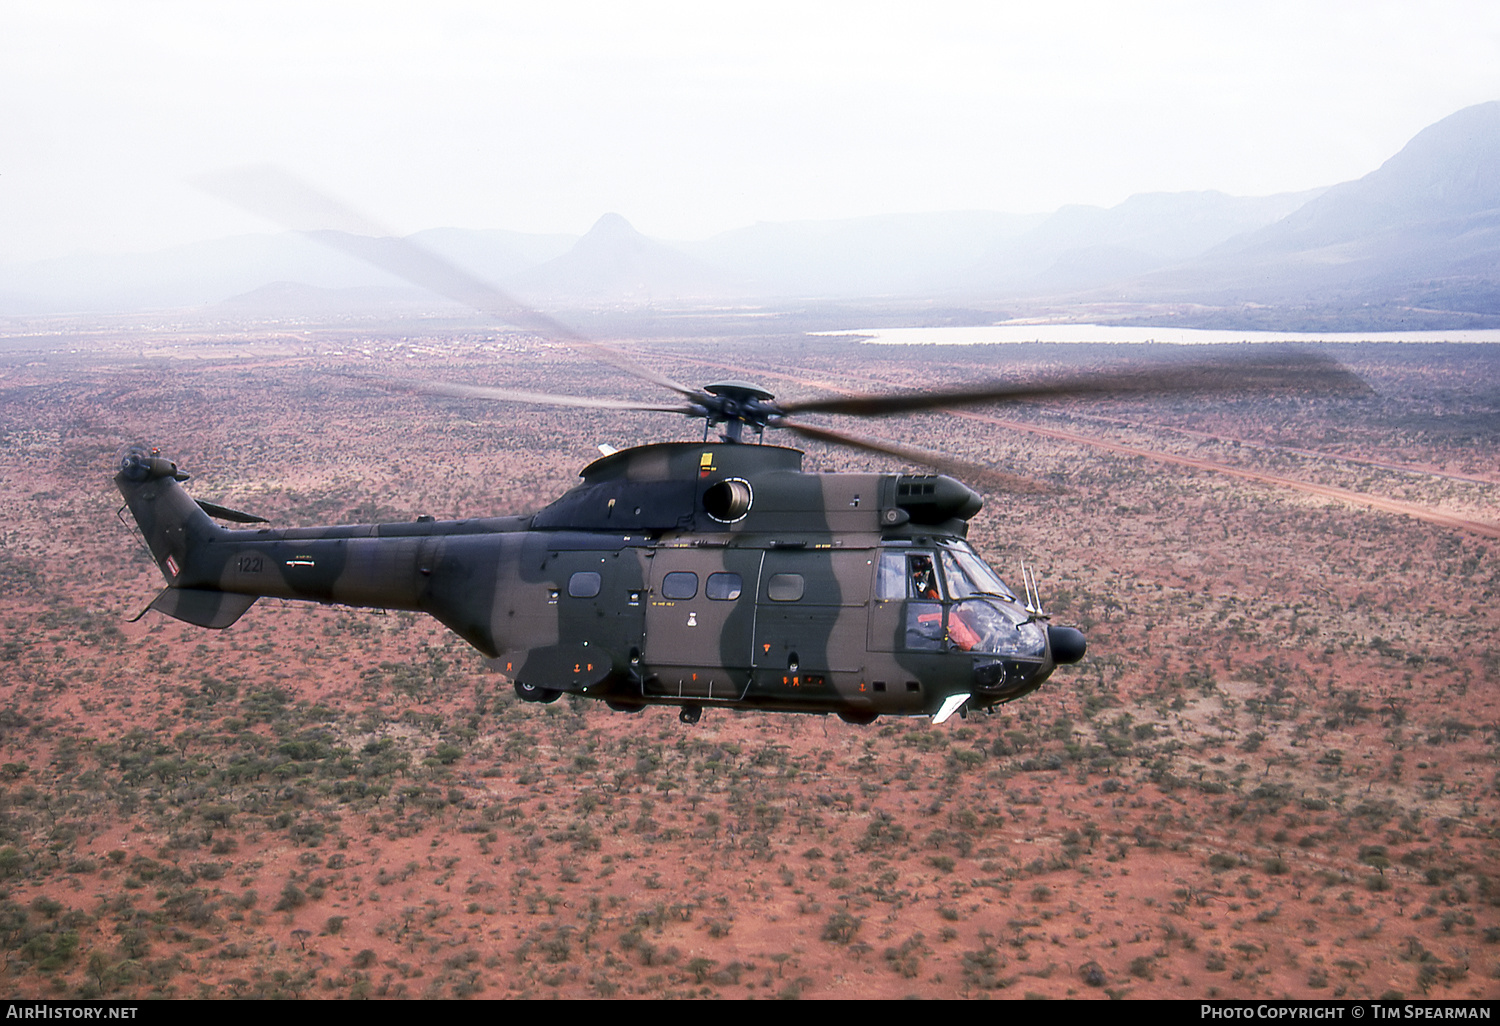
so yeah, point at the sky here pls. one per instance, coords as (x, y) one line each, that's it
(690, 119)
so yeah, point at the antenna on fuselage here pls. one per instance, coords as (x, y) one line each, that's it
(1033, 588)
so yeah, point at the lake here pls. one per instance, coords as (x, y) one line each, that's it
(1015, 332)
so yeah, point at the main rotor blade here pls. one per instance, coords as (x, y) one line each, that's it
(997, 479)
(620, 360)
(512, 395)
(280, 197)
(1277, 371)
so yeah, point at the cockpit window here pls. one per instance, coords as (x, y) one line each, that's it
(890, 576)
(969, 575)
(984, 625)
(907, 575)
(961, 584)
(922, 576)
(904, 574)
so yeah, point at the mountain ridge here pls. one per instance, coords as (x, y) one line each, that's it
(1416, 239)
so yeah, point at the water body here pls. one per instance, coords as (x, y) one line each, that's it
(994, 334)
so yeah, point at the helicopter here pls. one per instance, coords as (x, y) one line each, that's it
(693, 574)
(712, 574)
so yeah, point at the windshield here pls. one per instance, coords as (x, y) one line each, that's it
(969, 575)
(983, 625)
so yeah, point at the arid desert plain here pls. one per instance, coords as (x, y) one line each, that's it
(1274, 774)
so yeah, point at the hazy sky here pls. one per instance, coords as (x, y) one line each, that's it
(694, 118)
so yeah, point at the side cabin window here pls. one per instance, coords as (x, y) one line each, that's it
(785, 587)
(584, 584)
(723, 587)
(679, 585)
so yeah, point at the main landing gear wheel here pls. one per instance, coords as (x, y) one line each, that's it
(625, 707)
(690, 713)
(532, 693)
(859, 718)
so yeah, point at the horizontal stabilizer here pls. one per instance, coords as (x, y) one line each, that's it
(202, 608)
(213, 509)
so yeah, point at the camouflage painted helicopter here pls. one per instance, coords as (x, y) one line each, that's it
(703, 574)
(691, 574)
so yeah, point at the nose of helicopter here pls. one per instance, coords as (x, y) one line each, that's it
(1068, 644)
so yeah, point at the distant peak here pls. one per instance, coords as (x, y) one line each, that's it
(613, 226)
(1475, 128)
(1449, 167)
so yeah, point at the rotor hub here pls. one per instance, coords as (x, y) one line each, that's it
(738, 404)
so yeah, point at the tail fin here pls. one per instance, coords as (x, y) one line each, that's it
(178, 532)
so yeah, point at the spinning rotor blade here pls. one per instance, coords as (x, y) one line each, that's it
(1268, 371)
(278, 196)
(997, 479)
(536, 398)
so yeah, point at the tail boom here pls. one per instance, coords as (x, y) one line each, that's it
(447, 569)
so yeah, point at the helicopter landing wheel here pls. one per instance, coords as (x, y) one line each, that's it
(690, 713)
(859, 718)
(532, 693)
(625, 707)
